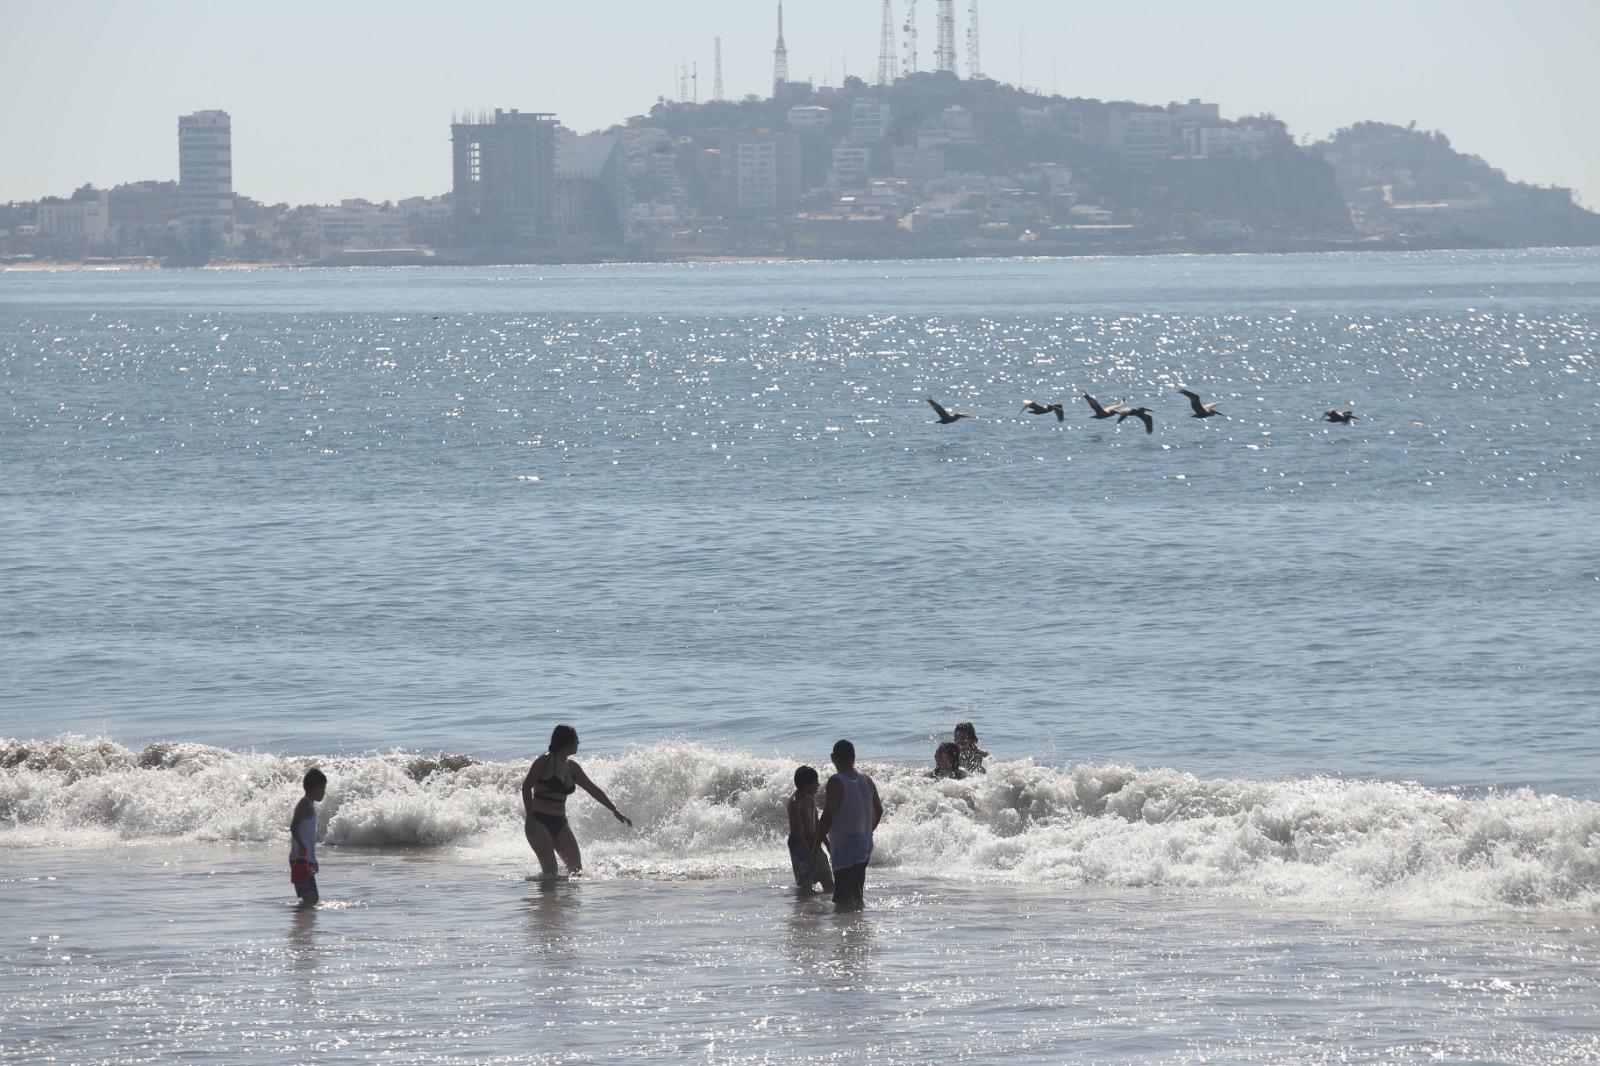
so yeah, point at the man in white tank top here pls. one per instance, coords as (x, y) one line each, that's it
(851, 811)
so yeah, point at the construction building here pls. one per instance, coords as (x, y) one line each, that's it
(205, 175)
(504, 178)
(591, 196)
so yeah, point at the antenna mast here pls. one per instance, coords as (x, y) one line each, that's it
(911, 36)
(780, 57)
(716, 83)
(974, 67)
(886, 63)
(944, 55)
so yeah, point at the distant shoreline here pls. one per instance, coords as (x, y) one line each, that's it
(887, 255)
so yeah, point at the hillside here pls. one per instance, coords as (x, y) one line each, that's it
(1403, 182)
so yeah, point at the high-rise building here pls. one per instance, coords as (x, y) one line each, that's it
(766, 172)
(205, 174)
(504, 179)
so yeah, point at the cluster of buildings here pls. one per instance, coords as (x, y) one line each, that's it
(923, 161)
(927, 164)
(836, 168)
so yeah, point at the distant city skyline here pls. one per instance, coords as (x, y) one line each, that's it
(354, 100)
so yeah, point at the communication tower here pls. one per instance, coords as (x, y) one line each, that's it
(716, 82)
(886, 62)
(974, 67)
(944, 54)
(910, 29)
(780, 57)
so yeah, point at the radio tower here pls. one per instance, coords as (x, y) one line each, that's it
(780, 57)
(911, 36)
(886, 62)
(944, 56)
(716, 82)
(974, 68)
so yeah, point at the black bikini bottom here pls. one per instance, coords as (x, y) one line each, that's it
(555, 823)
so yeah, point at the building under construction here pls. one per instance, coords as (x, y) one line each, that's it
(503, 191)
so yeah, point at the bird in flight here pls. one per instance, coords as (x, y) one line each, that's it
(1141, 413)
(1201, 410)
(1342, 417)
(1102, 412)
(1034, 408)
(945, 417)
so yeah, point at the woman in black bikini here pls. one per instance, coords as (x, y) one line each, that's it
(551, 779)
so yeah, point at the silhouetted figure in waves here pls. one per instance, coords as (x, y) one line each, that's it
(851, 811)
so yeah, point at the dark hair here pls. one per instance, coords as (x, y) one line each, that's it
(966, 727)
(314, 778)
(845, 748)
(950, 750)
(562, 736)
(805, 775)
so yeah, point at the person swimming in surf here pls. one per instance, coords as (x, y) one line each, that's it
(551, 779)
(972, 756)
(947, 761)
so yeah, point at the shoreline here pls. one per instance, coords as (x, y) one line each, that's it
(887, 255)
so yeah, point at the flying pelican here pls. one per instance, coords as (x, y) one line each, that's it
(1034, 408)
(1141, 413)
(1201, 410)
(1102, 412)
(945, 417)
(1342, 417)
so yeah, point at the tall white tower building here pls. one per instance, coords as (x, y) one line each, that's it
(205, 174)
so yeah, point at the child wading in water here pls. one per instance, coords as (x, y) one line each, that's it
(803, 833)
(303, 838)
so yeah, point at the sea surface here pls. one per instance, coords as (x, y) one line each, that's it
(1294, 726)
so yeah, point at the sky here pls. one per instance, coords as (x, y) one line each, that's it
(353, 98)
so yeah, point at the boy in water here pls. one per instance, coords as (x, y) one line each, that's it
(803, 833)
(303, 838)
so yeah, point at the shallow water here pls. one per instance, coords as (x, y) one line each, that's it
(1293, 723)
(421, 958)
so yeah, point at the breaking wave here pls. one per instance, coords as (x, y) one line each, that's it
(701, 812)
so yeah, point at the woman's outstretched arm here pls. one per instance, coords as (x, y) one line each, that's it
(581, 779)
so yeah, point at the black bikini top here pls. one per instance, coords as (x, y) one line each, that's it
(553, 788)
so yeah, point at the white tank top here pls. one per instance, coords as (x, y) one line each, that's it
(850, 832)
(303, 838)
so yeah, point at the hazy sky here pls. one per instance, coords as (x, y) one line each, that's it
(347, 98)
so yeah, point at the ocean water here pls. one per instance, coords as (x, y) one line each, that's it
(1293, 724)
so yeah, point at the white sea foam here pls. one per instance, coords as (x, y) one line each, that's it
(701, 812)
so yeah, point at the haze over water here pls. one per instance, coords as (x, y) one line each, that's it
(1269, 697)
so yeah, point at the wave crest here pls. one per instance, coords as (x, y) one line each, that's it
(703, 812)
